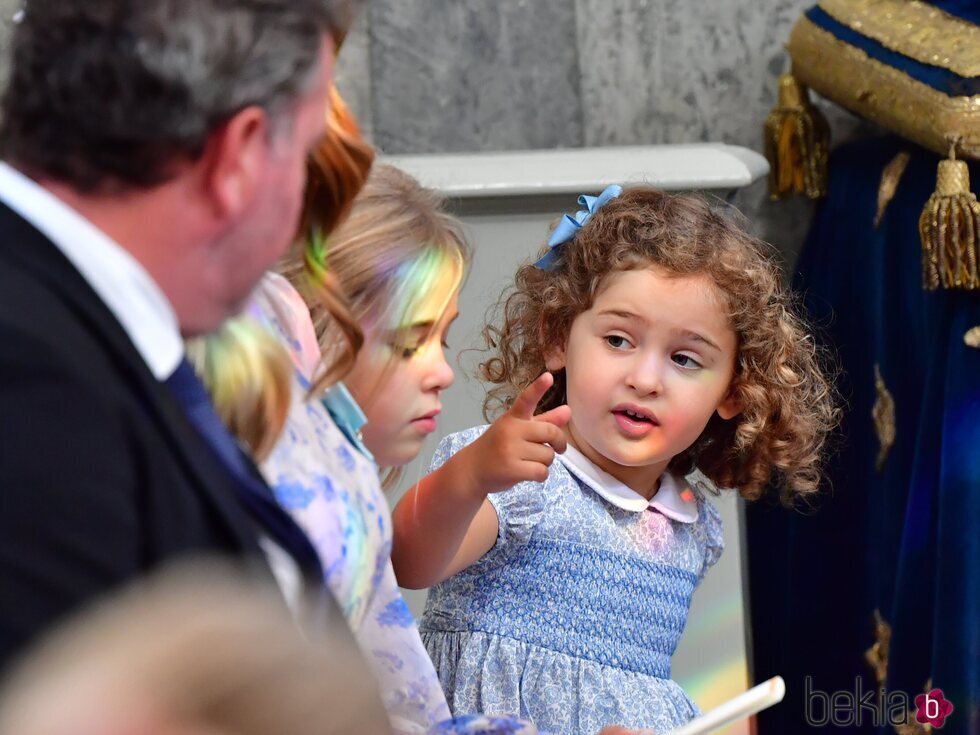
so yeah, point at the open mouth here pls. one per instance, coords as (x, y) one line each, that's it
(636, 416)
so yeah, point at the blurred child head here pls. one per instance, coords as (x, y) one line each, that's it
(198, 651)
(248, 375)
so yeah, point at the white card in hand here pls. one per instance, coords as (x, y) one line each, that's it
(744, 705)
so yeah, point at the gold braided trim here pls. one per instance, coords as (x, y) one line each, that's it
(916, 29)
(882, 94)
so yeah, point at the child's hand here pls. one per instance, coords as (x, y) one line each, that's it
(516, 447)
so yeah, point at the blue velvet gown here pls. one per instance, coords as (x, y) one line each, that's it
(898, 530)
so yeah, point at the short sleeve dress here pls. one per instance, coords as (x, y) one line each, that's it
(571, 619)
(325, 478)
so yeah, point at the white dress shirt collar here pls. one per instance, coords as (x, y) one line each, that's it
(674, 498)
(117, 277)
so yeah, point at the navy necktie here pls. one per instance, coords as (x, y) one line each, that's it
(253, 493)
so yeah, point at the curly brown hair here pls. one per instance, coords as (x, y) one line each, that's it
(781, 375)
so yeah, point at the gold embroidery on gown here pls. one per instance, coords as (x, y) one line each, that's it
(883, 413)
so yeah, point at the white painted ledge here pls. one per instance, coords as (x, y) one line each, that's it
(576, 170)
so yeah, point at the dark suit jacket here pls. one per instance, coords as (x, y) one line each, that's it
(102, 478)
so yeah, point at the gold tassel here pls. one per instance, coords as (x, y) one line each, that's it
(797, 138)
(949, 228)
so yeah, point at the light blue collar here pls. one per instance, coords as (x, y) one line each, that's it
(348, 416)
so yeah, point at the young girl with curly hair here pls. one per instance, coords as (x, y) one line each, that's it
(654, 348)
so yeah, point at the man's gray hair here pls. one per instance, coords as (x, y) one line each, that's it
(115, 92)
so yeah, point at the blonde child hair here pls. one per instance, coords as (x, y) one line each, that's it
(394, 247)
(391, 249)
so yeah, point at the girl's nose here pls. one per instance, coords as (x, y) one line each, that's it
(439, 373)
(645, 377)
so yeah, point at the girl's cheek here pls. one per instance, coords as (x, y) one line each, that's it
(707, 376)
(705, 379)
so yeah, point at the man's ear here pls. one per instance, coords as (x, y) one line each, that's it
(731, 405)
(234, 159)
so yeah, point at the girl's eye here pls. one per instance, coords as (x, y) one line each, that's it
(616, 341)
(686, 361)
(406, 352)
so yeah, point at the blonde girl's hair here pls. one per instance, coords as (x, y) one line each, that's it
(395, 245)
(782, 378)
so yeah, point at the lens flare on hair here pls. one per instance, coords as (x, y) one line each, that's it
(436, 272)
(315, 257)
(248, 374)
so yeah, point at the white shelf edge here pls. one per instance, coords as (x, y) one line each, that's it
(576, 170)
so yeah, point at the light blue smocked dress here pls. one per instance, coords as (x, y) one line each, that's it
(571, 620)
(323, 475)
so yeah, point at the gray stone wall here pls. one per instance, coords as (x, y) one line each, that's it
(431, 76)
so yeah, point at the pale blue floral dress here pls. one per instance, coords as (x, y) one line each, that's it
(570, 621)
(330, 486)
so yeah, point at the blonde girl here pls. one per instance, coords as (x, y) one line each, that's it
(400, 261)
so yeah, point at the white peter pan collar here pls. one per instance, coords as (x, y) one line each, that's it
(674, 498)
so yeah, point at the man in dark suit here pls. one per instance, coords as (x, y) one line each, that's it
(153, 168)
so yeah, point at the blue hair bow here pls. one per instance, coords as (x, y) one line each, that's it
(568, 225)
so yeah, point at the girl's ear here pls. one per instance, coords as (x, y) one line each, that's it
(554, 359)
(731, 405)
